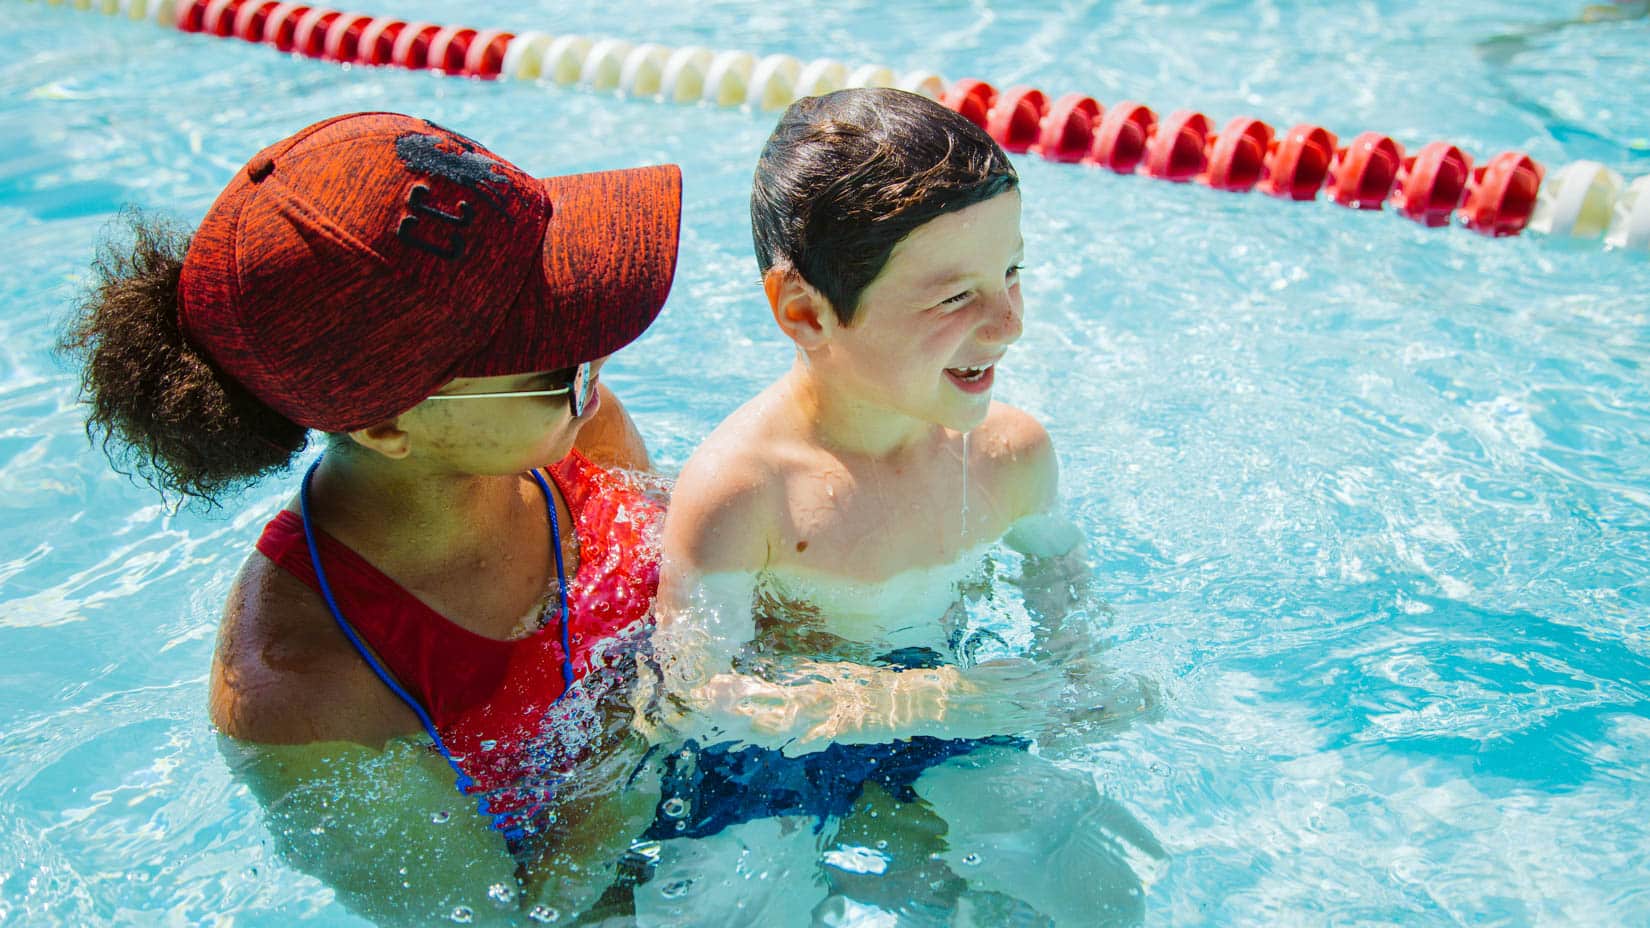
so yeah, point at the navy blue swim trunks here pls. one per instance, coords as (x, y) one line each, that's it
(704, 789)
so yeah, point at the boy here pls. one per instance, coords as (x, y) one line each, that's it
(841, 508)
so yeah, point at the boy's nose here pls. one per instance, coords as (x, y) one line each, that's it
(1002, 324)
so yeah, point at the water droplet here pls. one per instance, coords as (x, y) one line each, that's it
(681, 826)
(674, 807)
(882, 845)
(440, 818)
(543, 914)
(503, 895)
(463, 915)
(972, 860)
(489, 744)
(676, 889)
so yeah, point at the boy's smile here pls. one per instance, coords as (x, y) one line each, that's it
(931, 327)
(973, 379)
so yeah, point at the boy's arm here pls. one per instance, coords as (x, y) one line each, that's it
(1054, 581)
(1055, 576)
(716, 542)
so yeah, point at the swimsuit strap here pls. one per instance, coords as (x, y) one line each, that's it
(463, 781)
(561, 581)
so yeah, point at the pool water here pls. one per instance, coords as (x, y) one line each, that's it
(1368, 503)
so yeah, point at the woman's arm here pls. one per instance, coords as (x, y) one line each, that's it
(611, 438)
(386, 830)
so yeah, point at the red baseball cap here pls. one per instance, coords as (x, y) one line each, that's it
(349, 271)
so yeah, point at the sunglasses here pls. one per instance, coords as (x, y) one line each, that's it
(580, 387)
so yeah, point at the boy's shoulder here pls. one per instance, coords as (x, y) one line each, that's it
(728, 496)
(1009, 430)
(1013, 450)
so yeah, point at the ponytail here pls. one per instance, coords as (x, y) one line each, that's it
(159, 409)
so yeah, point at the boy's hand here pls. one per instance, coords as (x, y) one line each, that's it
(1003, 697)
(860, 704)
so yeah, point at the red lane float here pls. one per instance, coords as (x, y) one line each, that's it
(1363, 174)
(309, 37)
(1015, 119)
(342, 43)
(377, 43)
(250, 19)
(1440, 180)
(1298, 163)
(972, 98)
(1068, 128)
(1237, 155)
(218, 18)
(1120, 141)
(412, 46)
(448, 48)
(1178, 150)
(486, 57)
(189, 15)
(1433, 184)
(281, 23)
(1501, 194)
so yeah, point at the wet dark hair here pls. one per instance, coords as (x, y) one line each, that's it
(844, 177)
(159, 409)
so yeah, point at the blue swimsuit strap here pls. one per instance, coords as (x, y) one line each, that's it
(462, 781)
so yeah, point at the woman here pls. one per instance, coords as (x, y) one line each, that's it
(452, 564)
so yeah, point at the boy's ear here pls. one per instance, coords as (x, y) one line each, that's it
(802, 312)
(386, 438)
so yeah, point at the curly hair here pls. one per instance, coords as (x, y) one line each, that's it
(159, 409)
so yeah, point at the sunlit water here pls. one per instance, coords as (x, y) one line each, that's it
(1369, 503)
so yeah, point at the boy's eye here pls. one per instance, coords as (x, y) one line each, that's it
(957, 300)
(1014, 271)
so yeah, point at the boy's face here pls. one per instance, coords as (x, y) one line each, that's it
(933, 324)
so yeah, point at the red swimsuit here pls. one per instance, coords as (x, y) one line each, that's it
(490, 700)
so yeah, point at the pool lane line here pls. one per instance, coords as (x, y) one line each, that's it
(1436, 186)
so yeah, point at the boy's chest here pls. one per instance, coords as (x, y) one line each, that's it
(870, 528)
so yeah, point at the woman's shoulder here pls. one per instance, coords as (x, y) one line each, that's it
(283, 672)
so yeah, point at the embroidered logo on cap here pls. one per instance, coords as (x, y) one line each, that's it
(434, 156)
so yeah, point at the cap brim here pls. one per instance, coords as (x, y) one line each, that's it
(608, 259)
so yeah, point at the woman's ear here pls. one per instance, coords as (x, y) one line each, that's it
(386, 438)
(803, 313)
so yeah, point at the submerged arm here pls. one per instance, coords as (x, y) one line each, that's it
(1055, 576)
(716, 544)
(1055, 579)
(384, 829)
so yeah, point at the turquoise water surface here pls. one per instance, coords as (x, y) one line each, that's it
(1369, 503)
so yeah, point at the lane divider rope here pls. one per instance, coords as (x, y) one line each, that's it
(1436, 185)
